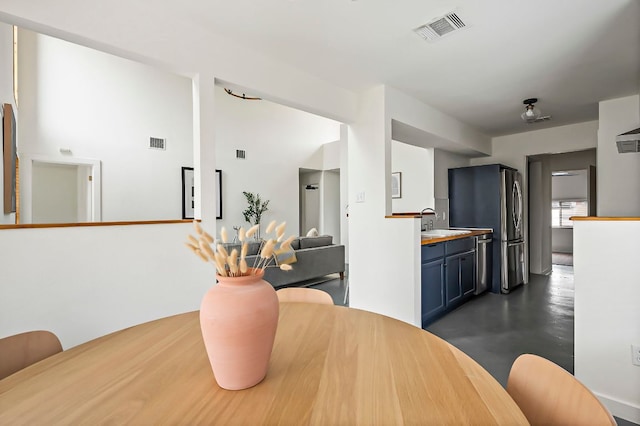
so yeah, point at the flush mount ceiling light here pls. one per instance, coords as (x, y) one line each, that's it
(531, 113)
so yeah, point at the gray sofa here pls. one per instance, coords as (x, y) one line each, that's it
(315, 257)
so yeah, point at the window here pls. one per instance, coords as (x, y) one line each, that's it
(562, 210)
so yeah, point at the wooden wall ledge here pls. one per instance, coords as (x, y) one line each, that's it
(604, 218)
(69, 225)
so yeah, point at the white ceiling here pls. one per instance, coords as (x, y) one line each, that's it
(570, 54)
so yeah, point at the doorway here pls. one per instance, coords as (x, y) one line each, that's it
(320, 202)
(560, 186)
(60, 190)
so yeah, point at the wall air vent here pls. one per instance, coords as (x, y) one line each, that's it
(629, 142)
(440, 26)
(240, 153)
(625, 147)
(157, 143)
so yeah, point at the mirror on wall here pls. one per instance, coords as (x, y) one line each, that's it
(100, 137)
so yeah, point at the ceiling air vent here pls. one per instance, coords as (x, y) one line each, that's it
(440, 26)
(240, 153)
(157, 143)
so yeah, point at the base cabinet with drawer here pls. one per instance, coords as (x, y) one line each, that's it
(448, 277)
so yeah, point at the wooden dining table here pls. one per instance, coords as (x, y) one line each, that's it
(330, 365)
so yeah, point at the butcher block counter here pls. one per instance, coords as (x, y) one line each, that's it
(473, 233)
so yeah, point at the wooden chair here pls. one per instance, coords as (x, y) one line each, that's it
(548, 395)
(22, 350)
(307, 295)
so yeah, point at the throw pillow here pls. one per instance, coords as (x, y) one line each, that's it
(312, 242)
(285, 256)
(313, 232)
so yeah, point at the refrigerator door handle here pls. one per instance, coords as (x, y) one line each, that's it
(518, 196)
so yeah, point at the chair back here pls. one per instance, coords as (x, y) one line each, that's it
(301, 294)
(22, 350)
(549, 395)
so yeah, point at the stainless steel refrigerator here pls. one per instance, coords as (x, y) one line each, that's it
(490, 196)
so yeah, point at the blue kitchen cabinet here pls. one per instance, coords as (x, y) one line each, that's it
(433, 302)
(468, 274)
(448, 277)
(453, 288)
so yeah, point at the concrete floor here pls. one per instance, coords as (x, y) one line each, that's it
(494, 329)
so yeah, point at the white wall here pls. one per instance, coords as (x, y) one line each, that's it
(104, 107)
(513, 150)
(6, 97)
(607, 318)
(384, 255)
(278, 141)
(439, 129)
(84, 282)
(416, 165)
(330, 204)
(195, 50)
(618, 175)
(443, 161)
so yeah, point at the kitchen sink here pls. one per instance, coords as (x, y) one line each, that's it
(439, 233)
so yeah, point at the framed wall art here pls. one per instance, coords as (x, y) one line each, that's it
(396, 185)
(188, 193)
(9, 156)
(218, 194)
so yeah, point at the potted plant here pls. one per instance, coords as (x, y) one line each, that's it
(253, 213)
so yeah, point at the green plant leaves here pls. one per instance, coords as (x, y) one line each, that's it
(253, 213)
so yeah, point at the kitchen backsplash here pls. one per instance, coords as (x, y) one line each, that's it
(442, 213)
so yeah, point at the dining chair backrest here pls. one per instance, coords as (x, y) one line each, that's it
(22, 350)
(549, 395)
(301, 294)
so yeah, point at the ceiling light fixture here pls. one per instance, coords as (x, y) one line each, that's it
(531, 113)
(243, 96)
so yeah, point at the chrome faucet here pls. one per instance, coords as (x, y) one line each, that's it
(423, 226)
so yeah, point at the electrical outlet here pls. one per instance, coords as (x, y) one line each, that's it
(635, 355)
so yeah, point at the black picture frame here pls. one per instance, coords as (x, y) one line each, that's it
(188, 193)
(218, 194)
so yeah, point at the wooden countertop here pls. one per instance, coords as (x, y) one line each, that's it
(604, 218)
(454, 237)
(330, 365)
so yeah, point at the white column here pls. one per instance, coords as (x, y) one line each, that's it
(204, 150)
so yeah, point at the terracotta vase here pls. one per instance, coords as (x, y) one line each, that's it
(238, 318)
